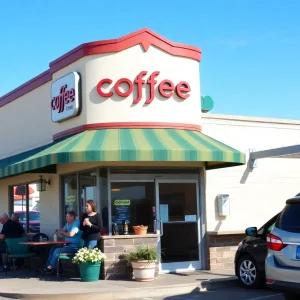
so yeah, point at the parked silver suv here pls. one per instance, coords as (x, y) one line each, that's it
(283, 260)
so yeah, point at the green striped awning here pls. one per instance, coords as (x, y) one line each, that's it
(126, 145)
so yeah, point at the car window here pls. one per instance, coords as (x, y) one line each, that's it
(289, 219)
(22, 217)
(34, 216)
(270, 228)
(267, 228)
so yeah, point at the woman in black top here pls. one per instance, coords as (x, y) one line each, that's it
(91, 225)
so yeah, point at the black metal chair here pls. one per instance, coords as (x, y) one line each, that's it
(36, 237)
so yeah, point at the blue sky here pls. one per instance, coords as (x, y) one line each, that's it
(250, 63)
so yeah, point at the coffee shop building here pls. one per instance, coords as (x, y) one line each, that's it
(119, 122)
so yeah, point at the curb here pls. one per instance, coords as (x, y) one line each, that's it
(214, 284)
(133, 293)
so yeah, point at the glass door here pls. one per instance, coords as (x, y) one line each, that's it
(178, 224)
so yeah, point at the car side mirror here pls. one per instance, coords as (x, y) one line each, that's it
(251, 231)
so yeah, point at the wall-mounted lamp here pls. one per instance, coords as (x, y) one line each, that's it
(41, 184)
(115, 189)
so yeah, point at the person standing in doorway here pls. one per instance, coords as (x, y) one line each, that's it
(91, 225)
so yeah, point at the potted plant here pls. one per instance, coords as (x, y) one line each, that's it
(143, 261)
(140, 229)
(89, 261)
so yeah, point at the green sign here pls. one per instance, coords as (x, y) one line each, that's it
(70, 199)
(122, 211)
(122, 202)
(207, 104)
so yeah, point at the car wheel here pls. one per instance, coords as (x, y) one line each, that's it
(290, 296)
(247, 272)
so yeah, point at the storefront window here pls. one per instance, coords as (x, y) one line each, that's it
(88, 188)
(179, 199)
(26, 207)
(80, 187)
(133, 202)
(70, 201)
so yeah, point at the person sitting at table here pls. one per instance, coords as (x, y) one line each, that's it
(10, 230)
(15, 217)
(71, 233)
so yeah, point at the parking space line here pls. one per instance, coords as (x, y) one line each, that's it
(264, 297)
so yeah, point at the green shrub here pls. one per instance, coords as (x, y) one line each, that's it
(142, 253)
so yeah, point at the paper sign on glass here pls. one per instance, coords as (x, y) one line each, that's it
(164, 212)
(190, 218)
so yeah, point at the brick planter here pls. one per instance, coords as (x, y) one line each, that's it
(222, 249)
(115, 247)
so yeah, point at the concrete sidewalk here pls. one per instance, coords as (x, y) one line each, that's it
(45, 287)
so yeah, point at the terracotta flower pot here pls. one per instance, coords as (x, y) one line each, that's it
(143, 270)
(139, 230)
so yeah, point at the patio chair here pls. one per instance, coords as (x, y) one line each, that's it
(67, 256)
(15, 250)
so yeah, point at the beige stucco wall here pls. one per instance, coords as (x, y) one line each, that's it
(25, 122)
(128, 64)
(29, 117)
(255, 195)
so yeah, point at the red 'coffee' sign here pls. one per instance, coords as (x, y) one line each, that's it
(63, 99)
(166, 87)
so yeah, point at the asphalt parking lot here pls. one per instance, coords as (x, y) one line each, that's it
(224, 294)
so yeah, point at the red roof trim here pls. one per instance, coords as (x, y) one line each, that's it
(117, 125)
(26, 88)
(144, 37)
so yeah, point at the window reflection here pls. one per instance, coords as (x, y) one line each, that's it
(133, 202)
(180, 200)
(88, 188)
(70, 201)
(75, 197)
(26, 207)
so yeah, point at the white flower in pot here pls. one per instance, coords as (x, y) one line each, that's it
(143, 261)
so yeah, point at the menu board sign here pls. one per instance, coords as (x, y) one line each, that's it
(122, 208)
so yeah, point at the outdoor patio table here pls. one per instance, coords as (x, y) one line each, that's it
(43, 245)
